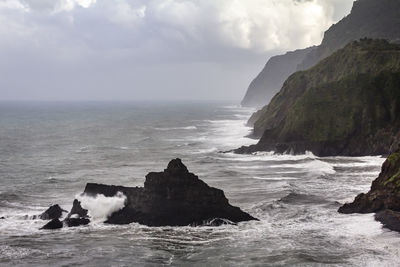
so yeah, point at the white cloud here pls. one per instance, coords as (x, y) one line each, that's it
(82, 41)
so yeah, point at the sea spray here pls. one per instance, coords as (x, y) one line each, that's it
(101, 207)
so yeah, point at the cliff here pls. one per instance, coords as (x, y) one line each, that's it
(348, 104)
(271, 78)
(384, 196)
(379, 19)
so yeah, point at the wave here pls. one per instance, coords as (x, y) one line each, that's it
(176, 128)
(101, 207)
(275, 178)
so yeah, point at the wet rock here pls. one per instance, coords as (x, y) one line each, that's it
(53, 224)
(77, 210)
(174, 197)
(54, 212)
(74, 222)
(390, 219)
(384, 196)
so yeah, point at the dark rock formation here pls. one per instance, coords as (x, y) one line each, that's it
(53, 224)
(174, 197)
(77, 210)
(74, 222)
(54, 212)
(384, 196)
(348, 104)
(368, 18)
(271, 78)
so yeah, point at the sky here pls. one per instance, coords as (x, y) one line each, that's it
(134, 50)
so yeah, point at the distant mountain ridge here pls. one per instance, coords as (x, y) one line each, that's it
(368, 18)
(348, 104)
(271, 78)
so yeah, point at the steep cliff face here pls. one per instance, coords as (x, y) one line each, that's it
(271, 78)
(385, 190)
(384, 196)
(348, 104)
(379, 19)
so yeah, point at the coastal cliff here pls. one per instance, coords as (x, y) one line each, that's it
(384, 196)
(270, 80)
(378, 19)
(348, 104)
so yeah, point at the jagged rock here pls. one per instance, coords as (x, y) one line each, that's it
(384, 196)
(77, 210)
(389, 219)
(74, 222)
(54, 212)
(174, 197)
(53, 224)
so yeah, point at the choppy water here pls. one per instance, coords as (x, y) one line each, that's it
(48, 152)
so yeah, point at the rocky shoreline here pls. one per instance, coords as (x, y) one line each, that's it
(384, 196)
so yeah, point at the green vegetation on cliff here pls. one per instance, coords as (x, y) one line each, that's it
(348, 104)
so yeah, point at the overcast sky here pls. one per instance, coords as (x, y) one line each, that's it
(150, 49)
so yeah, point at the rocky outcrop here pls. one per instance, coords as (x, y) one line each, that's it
(174, 197)
(384, 193)
(52, 225)
(271, 78)
(379, 19)
(348, 104)
(54, 212)
(384, 196)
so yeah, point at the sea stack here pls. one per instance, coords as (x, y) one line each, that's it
(174, 197)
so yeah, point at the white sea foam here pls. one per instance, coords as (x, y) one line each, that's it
(275, 178)
(100, 206)
(176, 128)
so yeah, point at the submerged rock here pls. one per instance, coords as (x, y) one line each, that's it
(54, 212)
(384, 196)
(174, 197)
(53, 224)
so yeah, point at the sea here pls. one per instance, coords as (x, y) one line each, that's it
(50, 150)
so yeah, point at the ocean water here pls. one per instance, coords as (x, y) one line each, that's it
(49, 151)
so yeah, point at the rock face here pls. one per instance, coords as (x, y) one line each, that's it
(368, 18)
(271, 78)
(384, 196)
(174, 197)
(53, 224)
(54, 212)
(348, 104)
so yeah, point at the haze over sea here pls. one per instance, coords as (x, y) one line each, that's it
(49, 151)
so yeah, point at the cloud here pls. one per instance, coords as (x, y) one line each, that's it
(124, 42)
